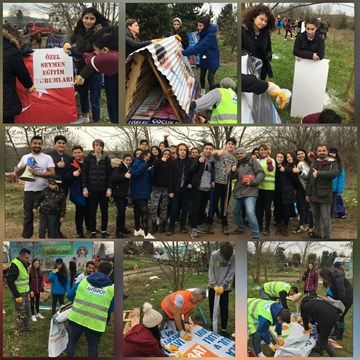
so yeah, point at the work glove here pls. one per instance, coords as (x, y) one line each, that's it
(185, 336)
(156, 40)
(56, 270)
(273, 347)
(309, 330)
(178, 37)
(19, 300)
(272, 88)
(171, 348)
(31, 90)
(218, 290)
(66, 47)
(187, 328)
(280, 341)
(79, 80)
(31, 294)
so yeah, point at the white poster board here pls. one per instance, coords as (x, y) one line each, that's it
(53, 69)
(309, 86)
(204, 343)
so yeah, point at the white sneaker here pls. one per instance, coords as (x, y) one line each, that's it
(33, 318)
(81, 120)
(39, 316)
(149, 236)
(139, 232)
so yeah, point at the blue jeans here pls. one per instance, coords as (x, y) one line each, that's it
(92, 339)
(256, 342)
(250, 203)
(92, 85)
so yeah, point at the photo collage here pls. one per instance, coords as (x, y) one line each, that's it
(148, 213)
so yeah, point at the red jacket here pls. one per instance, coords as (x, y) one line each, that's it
(139, 341)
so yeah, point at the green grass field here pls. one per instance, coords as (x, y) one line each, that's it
(346, 342)
(35, 344)
(141, 289)
(339, 48)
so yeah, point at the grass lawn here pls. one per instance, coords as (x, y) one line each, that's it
(339, 48)
(35, 344)
(346, 342)
(141, 261)
(141, 289)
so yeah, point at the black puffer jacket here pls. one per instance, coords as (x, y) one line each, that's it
(161, 173)
(51, 202)
(96, 174)
(176, 166)
(119, 183)
(13, 67)
(341, 287)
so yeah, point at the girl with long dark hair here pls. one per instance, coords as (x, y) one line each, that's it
(36, 287)
(310, 278)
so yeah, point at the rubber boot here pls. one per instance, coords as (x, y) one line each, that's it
(285, 230)
(154, 228)
(278, 229)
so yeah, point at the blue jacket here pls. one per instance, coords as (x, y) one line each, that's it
(140, 181)
(339, 182)
(56, 287)
(264, 324)
(97, 279)
(207, 48)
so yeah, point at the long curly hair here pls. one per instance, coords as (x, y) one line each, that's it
(100, 20)
(254, 11)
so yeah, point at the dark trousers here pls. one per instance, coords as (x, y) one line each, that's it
(94, 199)
(81, 216)
(28, 223)
(263, 205)
(141, 215)
(121, 204)
(92, 339)
(49, 222)
(211, 78)
(220, 192)
(302, 204)
(55, 298)
(224, 307)
(35, 303)
(179, 202)
(281, 211)
(200, 199)
(112, 97)
(22, 312)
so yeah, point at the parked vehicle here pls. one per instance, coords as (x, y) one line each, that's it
(40, 26)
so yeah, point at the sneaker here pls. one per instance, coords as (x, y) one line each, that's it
(81, 120)
(170, 231)
(237, 232)
(184, 230)
(119, 235)
(139, 232)
(33, 318)
(93, 235)
(126, 231)
(298, 230)
(194, 233)
(312, 235)
(224, 333)
(210, 229)
(39, 316)
(266, 231)
(201, 230)
(80, 236)
(255, 237)
(104, 234)
(149, 236)
(225, 230)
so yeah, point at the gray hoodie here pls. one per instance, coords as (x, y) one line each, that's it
(221, 272)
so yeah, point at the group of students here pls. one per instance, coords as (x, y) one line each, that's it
(181, 184)
(94, 48)
(326, 315)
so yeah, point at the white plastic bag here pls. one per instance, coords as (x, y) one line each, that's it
(58, 336)
(215, 313)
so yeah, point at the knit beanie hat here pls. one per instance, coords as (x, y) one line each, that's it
(151, 317)
(177, 19)
(333, 150)
(240, 149)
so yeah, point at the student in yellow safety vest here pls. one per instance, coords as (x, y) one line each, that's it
(17, 279)
(222, 101)
(93, 300)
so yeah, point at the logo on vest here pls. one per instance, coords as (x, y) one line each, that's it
(95, 291)
(234, 99)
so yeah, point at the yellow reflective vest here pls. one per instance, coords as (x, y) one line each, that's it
(256, 308)
(22, 282)
(269, 181)
(226, 112)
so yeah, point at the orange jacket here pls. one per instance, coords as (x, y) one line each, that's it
(168, 303)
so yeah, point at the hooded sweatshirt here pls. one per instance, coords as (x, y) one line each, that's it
(139, 341)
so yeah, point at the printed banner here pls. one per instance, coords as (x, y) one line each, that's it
(53, 69)
(204, 343)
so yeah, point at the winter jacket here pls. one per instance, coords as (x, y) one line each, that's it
(339, 182)
(139, 341)
(133, 44)
(119, 183)
(304, 173)
(161, 173)
(305, 48)
(247, 166)
(140, 182)
(258, 46)
(320, 188)
(75, 182)
(310, 279)
(341, 288)
(285, 183)
(83, 45)
(36, 281)
(96, 174)
(184, 37)
(51, 202)
(221, 272)
(56, 287)
(196, 171)
(176, 167)
(222, 164)
(60, 171)
(251, 84)
(11, 277)
(13, 67)
(207, 48)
